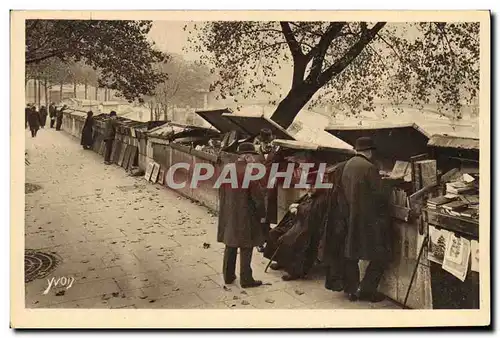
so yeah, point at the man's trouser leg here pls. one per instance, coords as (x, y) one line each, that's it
(33, 132)
(246, 273)
(351, 279)
(229, 264)
(109, 149)
(373, 275)
(52, 123)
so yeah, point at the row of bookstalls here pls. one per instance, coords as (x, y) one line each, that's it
(434, 210)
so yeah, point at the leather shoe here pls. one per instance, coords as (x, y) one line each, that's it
(251, 284)
(352, 296)
(275, 266)
(374, 297)
(288, 277)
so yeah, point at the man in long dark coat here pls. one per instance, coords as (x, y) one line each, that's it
(52, 114)
(109, 136)
(335, 232)
(242, 213)
(87, 131)
(27, 112)
(43, 116)
(59, 117)
(33, 121)
(368, 226)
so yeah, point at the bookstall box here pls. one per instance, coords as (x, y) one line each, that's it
(452, 218)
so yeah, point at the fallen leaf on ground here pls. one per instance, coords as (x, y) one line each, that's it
(299, 292)
(60, 293)
(269, 300)
(236, 298)
(206, 245)
(245, 302)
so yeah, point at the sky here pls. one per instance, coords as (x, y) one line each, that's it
(170, 36)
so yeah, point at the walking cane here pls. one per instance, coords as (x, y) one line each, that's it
(272, 257)
(424, 243)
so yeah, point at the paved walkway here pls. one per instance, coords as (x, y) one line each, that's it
(131, 244)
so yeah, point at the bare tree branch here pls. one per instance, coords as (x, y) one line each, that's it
(351, 54)
(318, 53)
(291, 40)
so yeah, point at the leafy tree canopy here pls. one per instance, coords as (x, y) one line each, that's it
(347, 63)
(118, 49)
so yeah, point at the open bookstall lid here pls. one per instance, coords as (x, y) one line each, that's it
(397, 141)
(301, 145)
(222, 124)
(455, 142)
(253, 124)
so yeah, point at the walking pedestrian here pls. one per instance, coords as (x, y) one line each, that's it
(43, 116)
(87, 133)
(368, 227)
(27, 112)
(33, 121)
(242, 213)
(59, 117)
(52, 114)
(109, 136)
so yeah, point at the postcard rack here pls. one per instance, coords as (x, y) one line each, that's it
(448, 291)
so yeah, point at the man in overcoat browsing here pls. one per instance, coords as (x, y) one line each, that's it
(109, 136)
(242, 213)
(368, 226)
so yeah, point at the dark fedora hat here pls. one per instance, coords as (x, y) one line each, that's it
(266, 133)
(364, 143)
(246, 148)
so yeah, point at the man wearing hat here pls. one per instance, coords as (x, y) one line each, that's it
(367, 233)
(109, 136)
(242, 213)
(263, 141)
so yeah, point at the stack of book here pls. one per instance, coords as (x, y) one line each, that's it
(439, 201)
(459, 187)
(473, 205)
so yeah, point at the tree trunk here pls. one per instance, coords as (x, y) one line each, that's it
(39, 94)
(165, 112)
(151, 113)
(105, 94)
(86, 85)
(61, 92)
(34, 91)
(46, 92)
(74, 89)
(291, 105)
(96, 93)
